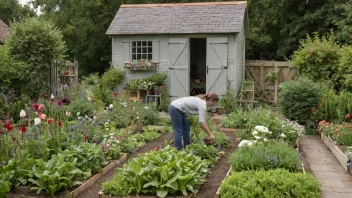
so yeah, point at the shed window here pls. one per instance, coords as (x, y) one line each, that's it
(142, 50)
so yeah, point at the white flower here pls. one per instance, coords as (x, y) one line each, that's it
(137, 118)
(85, 116)
(265, 140)
(111, 106)
(78, 113)
(257, 137)
(244, 143)
(282, 135)
(250, 143)
(146, 107)
(22, 114)
(37, 121)
(89, 98)
(124, 104)
(52, 96)
(255, 132)
(262, 129)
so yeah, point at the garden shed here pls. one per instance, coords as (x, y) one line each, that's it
(190, 41)
(4, 31)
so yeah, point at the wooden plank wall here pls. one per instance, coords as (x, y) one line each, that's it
(257, 70)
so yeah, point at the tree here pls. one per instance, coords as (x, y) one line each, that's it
(38, 43)
(11, 9)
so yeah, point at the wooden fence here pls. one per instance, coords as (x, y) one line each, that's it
(267, 76)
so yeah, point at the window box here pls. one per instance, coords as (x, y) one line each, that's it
(141, 65)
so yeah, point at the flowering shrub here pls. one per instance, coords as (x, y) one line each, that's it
(348, 153)
(142, 63)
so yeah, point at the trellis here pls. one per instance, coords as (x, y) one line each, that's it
(266, 88)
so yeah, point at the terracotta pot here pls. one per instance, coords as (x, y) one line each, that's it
(220, 111)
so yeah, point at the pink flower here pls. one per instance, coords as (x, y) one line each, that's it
(42, 116)
(41, 107)
(50, 120)
(68, 114)
(95, 117)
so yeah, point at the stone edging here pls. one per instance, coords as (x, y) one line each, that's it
(341, 157)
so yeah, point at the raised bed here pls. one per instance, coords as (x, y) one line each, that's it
(24, 190)
(341, 157)
(102, 195)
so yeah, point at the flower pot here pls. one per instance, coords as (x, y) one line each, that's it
(220, 110)
(197, 81)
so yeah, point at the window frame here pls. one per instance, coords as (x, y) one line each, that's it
(141, 49)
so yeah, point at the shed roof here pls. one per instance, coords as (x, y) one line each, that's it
(4, 31)
(179, 18)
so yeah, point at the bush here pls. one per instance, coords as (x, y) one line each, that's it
(112, 77)
(271, 156)
(268, 184)
(317, 58)
(298, 98)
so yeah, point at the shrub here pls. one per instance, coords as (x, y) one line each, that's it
(270, 156)
(112, 77)
(317, 59)
(298, 98)
(267, 184)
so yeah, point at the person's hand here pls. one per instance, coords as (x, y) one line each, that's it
(211, 137)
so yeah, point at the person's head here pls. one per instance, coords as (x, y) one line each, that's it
(211, 98)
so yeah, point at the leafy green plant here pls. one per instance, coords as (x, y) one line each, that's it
(55, 174)
(228, 101)
(112, 77)
(317, 59)
(90, 157)
(158, 78)
(161, 172)
(203, 151)
(298, 98)
(268, 184)
(266, 156)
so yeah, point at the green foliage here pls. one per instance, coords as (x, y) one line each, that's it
(13, 10)
(317, 58)
(55, 174)
(37, 42)
(298, 98)
(90, 157)
(18, 171)
(267, 184)
(203, 151)
(12, 73)
(93, 85)
(81, 105)
(344, 67)
(163, 172)
(112, 77)
(228, 102)
(158, 78)
(266, 156)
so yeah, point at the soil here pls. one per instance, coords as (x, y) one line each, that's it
(220, 170)
(94, 190)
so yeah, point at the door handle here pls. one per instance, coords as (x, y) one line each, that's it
(207, 69)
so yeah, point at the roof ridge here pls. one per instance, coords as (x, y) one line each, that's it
(184, 4)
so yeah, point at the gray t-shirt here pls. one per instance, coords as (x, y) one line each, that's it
(191, 105)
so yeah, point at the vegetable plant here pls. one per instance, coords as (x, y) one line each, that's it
(268, 184)
(161, 172)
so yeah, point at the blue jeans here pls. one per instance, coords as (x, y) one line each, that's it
(181, 127)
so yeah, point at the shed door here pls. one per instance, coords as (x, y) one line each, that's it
(216, 65)
(179, 67)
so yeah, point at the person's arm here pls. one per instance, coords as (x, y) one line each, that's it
(202, 123)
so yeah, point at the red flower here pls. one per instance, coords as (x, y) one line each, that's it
(58, 123)
(23, 129)
(35, 106)
(1, 132)
(86, 137)
(14, 138)
(116, 94)
(8, 126)
(50, 120)
(157, 148)
(347, 116)
(42, 95)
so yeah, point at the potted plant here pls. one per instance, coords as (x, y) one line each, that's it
(158, 80)
(141, 64)
(220, 110)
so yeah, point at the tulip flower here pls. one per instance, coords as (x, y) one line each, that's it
(41, 107)
(23, 129)
(37, 121)
(68, 114)
(50, 120)
(22, 114)
(42, 116)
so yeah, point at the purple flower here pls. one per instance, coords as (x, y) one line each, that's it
(59, 103)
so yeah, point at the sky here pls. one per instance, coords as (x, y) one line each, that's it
(24, 2)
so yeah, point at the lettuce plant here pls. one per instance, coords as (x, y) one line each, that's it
(162, 172)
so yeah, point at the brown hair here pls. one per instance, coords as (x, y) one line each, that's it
(210, 96)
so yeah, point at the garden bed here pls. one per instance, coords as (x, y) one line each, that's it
(336, 150)
(24, 190)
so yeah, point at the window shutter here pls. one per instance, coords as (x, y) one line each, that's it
(156, 51)
(126, 52)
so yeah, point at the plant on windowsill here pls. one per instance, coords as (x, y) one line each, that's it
(141, 64)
